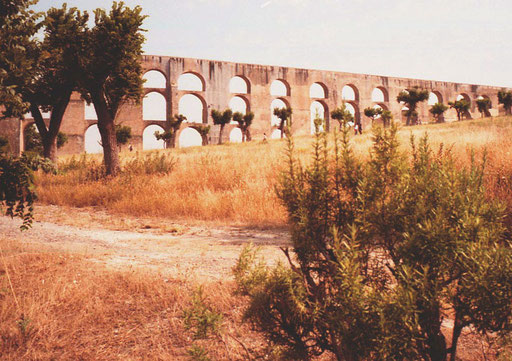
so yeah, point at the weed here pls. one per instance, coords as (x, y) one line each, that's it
(201, 318)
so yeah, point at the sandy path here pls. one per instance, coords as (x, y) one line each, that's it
(200, 252)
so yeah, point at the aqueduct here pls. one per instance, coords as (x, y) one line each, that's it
(193, 87)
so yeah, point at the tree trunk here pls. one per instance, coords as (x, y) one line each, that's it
(220, 133)
(107, 130)
(248, 135)
(457, 330)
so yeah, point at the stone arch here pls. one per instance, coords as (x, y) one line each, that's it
(434, 97)
(90, 112)
(353, 108)
(149, 140)
(318, 91)
(92, 140)
(154, 107)
(193, 107)
(189, 137)
(318, 108)
(239, 85)
(280, 88)
(190, 81)
(239, 104)
(277, 103)
(235, 136)
(350, 93)
(380, 95)
(154, 79)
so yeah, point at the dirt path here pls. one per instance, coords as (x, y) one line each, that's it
(202, 252)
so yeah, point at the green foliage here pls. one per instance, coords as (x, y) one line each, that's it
(342, 115)
(373, 113)
(4, 145)
(505, 98)
(32, 139)
(244, 123)
(410, 98)
(198, 353)
(221, 118)
(387, 118)
(36, 162)
(382, 250)
(461, 107)
(200, 318)
(483, 105)
(437, 110)
(285, 123)
(123, 134)
(169, 136)
(61, 139)
(17, 193)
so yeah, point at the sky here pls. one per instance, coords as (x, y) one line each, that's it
(463, 41)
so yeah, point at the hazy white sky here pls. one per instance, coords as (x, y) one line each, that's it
(454, 40)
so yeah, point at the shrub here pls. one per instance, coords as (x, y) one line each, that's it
(152, 163)
(201, 318)
(382, 251)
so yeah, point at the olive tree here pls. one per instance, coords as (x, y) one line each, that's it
(483, 105)
(382, 251)
(244, 123)
(410, 98)
(285, 120)
(169, 136)
(342, 115)
(221, 118)
(461, 107)
(437, 110)
(505, 98)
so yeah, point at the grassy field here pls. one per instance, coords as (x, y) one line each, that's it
(234, 183)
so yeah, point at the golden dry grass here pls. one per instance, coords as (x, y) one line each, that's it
(235, 183)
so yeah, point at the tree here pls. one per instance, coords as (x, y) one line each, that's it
(285, 120)
(221, 118)
(437, 111)
(387, 118)
(18, 53)
(34, 142)
(483, 105)
(505, 98)
(342, 115)
(123, 134)
(203, 130)
(111, 72)
(169, 136)
(373, 113)
(461, 107)
(411, 97)
(382, 250)
(244, 122)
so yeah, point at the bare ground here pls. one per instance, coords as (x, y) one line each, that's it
(203, 252)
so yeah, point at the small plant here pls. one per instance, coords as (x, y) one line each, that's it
(123, 134)
(36, 162)
(200, 318)
(198, 353)
(25, 327)
(437, 110)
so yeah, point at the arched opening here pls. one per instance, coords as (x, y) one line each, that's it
(318, 91)
(276, 103)
(154, 79)
(239, 85)
(92, 140)
(350, 93)
(149, 140)
(353, 109)
(276, 134)
(318, 110)
(279, 88)
(434, 97)
(154, 107)
(192, 106)
(380, 95)
(90, 112)
(238, 104)
(235, 136)
(190, 82)
(189, 137)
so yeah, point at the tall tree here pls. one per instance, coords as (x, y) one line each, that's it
(410, 98)
(505, 98)
(285, 119)
(221, 118)
(461, 107)
(112, 73)
(483, 105)
(437, 111)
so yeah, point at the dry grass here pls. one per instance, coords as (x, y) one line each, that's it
(234, 183)
(65, 307)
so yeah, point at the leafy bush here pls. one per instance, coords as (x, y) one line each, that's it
(35, 162)
(201, 318)
(382, 252)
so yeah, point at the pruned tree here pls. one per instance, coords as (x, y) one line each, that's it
(342, 115)
(244, 122)
(483, 105)
(285, 120)
(410, 98)
(505, 98)
(461, 107)
(204, 131)
(382, 251)
(169, 136)
(221, 118)
(373, 113)
(387, 118)
(437, 110)
(111, 71)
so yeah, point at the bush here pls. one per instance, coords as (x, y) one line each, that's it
(382, 252)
